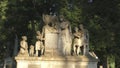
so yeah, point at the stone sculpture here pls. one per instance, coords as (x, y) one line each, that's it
(50, 24)
(50, 30)
(39, 46)
(66, 36)
(31, 53)
(46, 20)
(54, 21)
(23, 47)
(42, 46)
(85, 39)
(57, 41)
(40, 35)
(77, 41)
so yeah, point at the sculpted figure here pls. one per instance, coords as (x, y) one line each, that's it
(31, 50)
(55, 24)
(50, 24)
(46, 19)
(85, 39)
(46, 27)
(66, 36)
(77, 41)
(23, 47)
(39, 46)
(40, 35)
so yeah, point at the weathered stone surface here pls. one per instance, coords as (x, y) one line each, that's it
(34, 66)
(57, 61)
(54, 47)
(23, 47)
(51, 40)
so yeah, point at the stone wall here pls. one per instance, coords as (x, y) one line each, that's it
(56, 62)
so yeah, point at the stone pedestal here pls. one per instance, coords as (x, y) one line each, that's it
(53, 44)
(56, 62)
(51, 40)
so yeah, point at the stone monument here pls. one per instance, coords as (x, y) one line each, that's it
(50, 33)
(56, 41)
(77, 43)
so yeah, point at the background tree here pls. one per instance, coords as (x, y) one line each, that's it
(101, 18)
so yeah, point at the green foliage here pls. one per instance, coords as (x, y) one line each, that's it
(101, 18)
(3, 32)
(3, 7)
(111, 60)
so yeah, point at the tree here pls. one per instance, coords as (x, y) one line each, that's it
(101, 18)
(3, 34)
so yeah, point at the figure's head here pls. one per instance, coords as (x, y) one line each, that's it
(31, 46)
(38, 37)
(46, 18)
(61, 17)
(54, 18)
(37, 32)
(76, 29)
(81, 26)
(24, 37)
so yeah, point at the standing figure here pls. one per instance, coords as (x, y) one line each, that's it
(66, 36)
(54, 21)
(77, 41)
(23, 47)
(85, 39)
(31, 50)
(39, 47)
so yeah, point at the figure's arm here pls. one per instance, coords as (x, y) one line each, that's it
(36, 46)
(87, 34)
(26, 45)
(21, 44)
(43, 33)
(43, 17)
(76, 35)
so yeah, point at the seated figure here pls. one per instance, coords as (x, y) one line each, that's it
(23, 47)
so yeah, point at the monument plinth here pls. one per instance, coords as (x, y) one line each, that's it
(57, 47)
(56, 61)
(51, 41)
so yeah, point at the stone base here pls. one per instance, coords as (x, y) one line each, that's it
(53, 52)
(57, 62)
